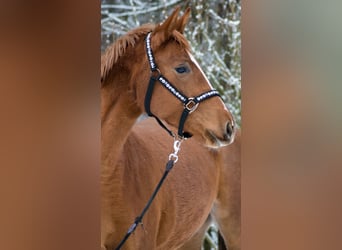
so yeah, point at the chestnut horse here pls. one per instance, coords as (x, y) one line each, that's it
(127, 68)
(204, 181)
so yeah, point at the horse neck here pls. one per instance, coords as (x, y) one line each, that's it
(118, 115)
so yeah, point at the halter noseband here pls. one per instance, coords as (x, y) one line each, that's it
(190, 103)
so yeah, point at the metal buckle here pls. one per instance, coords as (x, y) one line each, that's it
(191, 105)
(155, 73)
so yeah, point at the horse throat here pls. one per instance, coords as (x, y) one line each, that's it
(118, 115)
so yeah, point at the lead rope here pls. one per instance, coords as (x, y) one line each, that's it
(173, 158)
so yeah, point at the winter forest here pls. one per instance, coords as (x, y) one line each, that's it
(213, 31)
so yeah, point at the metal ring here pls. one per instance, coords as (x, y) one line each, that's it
(155, 73)
(173, 157)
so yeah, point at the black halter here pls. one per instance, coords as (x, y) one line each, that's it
(190, 103)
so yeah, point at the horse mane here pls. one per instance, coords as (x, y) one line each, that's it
(115, 51)
(173, 28)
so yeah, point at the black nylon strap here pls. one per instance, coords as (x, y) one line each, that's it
(206, 95)
(160, 77)
(138, 220)
(149, 52)
(147, 103)
(148, 95)
(163, 126)
(172, 89)
(184, 115)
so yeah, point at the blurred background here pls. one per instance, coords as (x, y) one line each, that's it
(291, 112)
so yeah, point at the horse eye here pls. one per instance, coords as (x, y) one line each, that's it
(182, 69)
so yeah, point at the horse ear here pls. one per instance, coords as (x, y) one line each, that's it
(173, 23)
(166, 29)
(181, 22)
(168, 25)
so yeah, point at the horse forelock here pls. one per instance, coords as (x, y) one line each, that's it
(159, 40)
(171, 29)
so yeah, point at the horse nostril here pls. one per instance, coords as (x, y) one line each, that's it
(229, 129)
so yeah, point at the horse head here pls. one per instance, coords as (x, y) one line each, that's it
(162, 54)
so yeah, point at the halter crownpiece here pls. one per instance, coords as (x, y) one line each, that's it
(190, 103)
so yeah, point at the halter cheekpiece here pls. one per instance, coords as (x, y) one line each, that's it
(190, 103)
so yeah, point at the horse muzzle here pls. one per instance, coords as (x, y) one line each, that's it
(225, 139)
